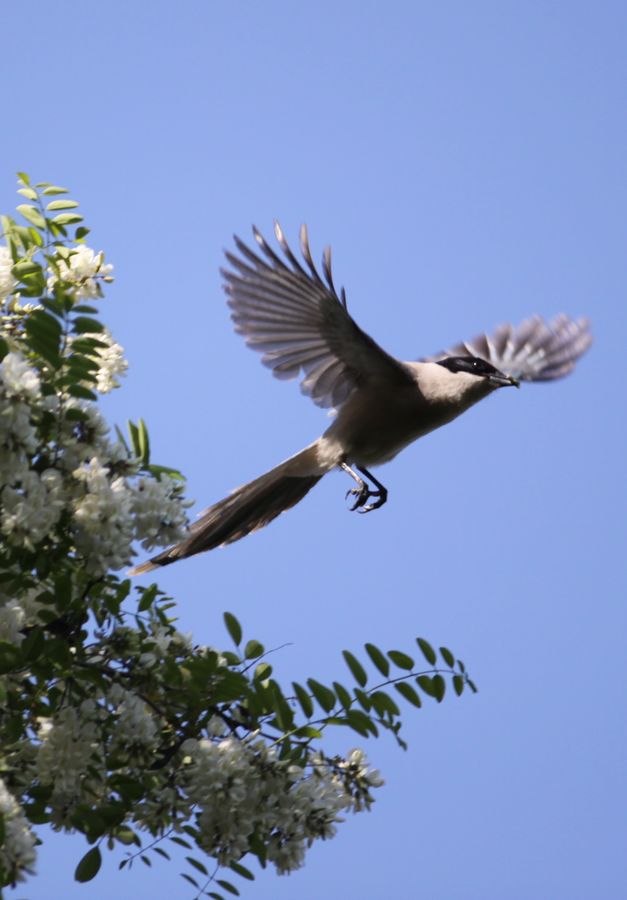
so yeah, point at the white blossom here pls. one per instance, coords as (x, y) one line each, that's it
(113, 363)
(7, 281)
(71, 759)
(135, 725)
(83, 269)
(16, 613)
(159, 511)
(241, 789)
(31, 507)
(17, 855)
(103, 518)
(18, 379)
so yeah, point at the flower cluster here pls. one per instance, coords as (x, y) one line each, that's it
(116, 724)
(89, 482)
(7, 281)
(17, 855)
(82, 270)
(242, 790)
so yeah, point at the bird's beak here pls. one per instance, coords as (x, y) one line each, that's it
(501, 380)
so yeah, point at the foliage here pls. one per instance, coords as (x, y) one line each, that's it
(113, 723)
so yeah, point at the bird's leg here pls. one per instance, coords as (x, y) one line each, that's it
(363, 492)
(381, 492)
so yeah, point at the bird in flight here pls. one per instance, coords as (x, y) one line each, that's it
(286, 310)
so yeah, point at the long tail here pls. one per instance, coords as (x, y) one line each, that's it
(248, 508)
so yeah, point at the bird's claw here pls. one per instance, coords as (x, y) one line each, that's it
(363, 494)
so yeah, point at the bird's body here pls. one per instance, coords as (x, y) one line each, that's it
(296, 318)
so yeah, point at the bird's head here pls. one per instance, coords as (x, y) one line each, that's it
(478, 368)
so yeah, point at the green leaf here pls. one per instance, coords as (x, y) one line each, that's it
(158, 471)
(383, 704)
(282, 709)
(80, 391)
(447, 656)
(80, 233)
(427, 650)
(402, 660)
(357, 670)
(233, 627)
(407, 691)
(86, 325)
(227, 886)
(378, 658)
(144, 442)
(262, 672)
(458, 684)
(34, 645)
(67, 219)
(241, 870)
(26, 267)
(60, 204)
(197, 864)
(42, 324)
(10, 657)
(253, 650)
(32, 215)
(133, 432)
(148, 596)
(361, 723)
(363, 699)
(89, 866)
(29, 193)
(180, 841)
(54, 189)
(304, 699)
(323, 694)
(425, 683)
(342, 695)
(23, 177)
(439, 687)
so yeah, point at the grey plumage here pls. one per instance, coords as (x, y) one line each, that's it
(294, 316)
(533, 351)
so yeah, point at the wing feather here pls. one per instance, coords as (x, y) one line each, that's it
(535, 350)
(292, 314)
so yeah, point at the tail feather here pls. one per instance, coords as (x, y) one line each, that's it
(247, 509)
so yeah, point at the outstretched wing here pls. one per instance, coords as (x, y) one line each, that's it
(295, 318)
(533, 351)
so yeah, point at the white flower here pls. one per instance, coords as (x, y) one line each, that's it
(84, 269)
(70, 758)
(103, 518)
(159, 511)
(111, 359)
(17, 855)
(18, 379)
(15, 614)
(7, 281)
(32, 507)
(136, 726)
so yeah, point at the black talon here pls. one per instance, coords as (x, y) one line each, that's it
(363, 492)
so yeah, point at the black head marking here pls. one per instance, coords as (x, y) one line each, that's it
(471, 364)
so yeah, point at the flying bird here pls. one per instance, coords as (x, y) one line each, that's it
(286, 310)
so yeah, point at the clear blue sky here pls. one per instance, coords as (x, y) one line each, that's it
(467, 164)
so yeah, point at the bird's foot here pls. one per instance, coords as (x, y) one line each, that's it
(362, 494)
